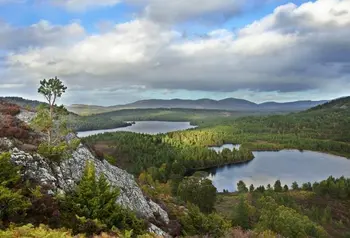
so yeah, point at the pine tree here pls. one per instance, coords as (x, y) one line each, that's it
(51, 89)
(251, 188)
(93, 203)
(278, 186)
(295, 186)
(9, 174)
(241, 187)
(241, 214)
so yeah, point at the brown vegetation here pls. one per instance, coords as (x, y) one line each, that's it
(12, 127)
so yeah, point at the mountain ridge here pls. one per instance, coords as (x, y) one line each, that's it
(228, 104)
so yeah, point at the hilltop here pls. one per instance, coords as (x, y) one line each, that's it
(228, 104)
(21, 145)
(340, 103)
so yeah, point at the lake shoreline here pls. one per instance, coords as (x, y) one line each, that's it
(142, 127)
(126, 124)
(191, 171)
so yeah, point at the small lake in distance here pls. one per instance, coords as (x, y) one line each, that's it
(286, 165)
(146, 127)
(226, 146)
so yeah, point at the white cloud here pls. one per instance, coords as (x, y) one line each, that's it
(291, 50)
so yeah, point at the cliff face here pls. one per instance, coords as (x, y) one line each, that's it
(63, 177)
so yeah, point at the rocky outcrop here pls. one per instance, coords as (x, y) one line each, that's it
(26, 115)
(63, 178)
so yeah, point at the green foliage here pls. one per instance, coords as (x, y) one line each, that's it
(306, 186)
(295, 186)
(91, 207)
(196, 223)
(336, 188)
(42, 121)
(52, 89)
(87, 123)
(166, 156)
(278, 186)
(12, 204)
(29, 231)
(241, 214)
(55, 153)
(241, 187)
(9, 174)
(198, 191)
(74, 143)
(111, 159)
(286, 221)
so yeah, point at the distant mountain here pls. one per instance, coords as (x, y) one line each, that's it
(294, 106)
(229, 104)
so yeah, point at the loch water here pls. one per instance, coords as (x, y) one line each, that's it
(286, 165)
(145, 127)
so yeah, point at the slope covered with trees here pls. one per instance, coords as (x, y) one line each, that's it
(322, 128)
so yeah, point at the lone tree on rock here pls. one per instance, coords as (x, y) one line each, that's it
(51, 89)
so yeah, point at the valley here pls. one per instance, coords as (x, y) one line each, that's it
(174, 119)
(240, 155)
(272, 139)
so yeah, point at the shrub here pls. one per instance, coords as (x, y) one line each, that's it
(12, 204)
(9, 174)
(197, 223)
(74, 143)
(9, 109)
(55, 153)
(286, 221)
(198, 191)
(30, 231)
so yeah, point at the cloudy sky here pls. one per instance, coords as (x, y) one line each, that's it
(117, 51)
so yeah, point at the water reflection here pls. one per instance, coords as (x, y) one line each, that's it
(286, 165)
(226, 146)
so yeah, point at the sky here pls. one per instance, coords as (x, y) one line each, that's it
(110, 52)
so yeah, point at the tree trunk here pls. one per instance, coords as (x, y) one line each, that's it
(49, 136)
(50, 130)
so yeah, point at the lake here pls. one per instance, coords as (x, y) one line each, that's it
(146, 127)
(226, 146)
(286, 165)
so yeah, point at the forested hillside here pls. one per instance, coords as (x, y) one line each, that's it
(305, 210)
(320, 129)
(165, 166)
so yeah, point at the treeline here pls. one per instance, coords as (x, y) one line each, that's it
(139, 152)
(87, 123)
(305, 210)
(338, 188)
(333, 187)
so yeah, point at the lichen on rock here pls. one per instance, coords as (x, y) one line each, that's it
(69, 172)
